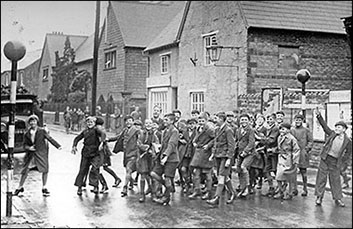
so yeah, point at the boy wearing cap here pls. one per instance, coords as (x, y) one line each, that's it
(305, 141)
(37, 149)
(92, 139)
(336, 151)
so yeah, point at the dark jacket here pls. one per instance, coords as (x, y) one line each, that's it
(201, 156)
(91, 139)
(345, 154)
(245, 141)
(270, 139)
(170, 139)
(223, 144)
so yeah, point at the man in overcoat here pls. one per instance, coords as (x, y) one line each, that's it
(337, 149)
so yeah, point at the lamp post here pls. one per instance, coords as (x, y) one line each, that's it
(14, 51)
(303, 75)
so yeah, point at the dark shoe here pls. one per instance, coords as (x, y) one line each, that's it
(104, 189)
(206, 196)
(79, 191)
(213, 201)
(164, 200)
(124, 192)
(17, 191)
(318, 200)
(238, 189)
(194, 195)
(95, 190)
(45, 192)
(251, 190)
(305, 193)
(231, 198)
(35, 168)
(339, 203)
(142, 198)
(295, 192)
(204, 190)
(117, 182)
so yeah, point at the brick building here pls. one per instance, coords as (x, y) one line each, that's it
(122, 67)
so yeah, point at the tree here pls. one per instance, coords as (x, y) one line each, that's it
(79, 87)
(63, 73)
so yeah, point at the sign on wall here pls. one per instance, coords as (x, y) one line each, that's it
(318, 132)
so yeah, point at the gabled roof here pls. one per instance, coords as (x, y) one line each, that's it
(169, 34)
(140, 22)
(56, 42)
(85, 50)
(315, 16)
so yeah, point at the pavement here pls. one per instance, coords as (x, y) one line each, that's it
(22, 219)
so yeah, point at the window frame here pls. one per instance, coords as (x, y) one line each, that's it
(161, 100)
(112, 55)
(45, 77)
(209, 40)
(164, 56)
(199, 104)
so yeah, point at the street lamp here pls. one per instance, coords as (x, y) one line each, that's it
(303, 75)
(215, 51)
(14, 51)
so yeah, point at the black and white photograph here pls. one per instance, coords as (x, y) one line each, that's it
(176, 114)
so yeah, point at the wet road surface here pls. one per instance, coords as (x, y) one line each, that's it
(64, 208)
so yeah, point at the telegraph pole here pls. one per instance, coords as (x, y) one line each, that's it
(14, 51)
(95, 60)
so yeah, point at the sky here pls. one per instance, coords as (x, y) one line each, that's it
(29, 22)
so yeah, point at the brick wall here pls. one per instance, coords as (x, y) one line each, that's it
(326, 56)
(111, 81)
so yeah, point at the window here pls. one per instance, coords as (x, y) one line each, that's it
(45, 74)
(288, 57)
(110, 60)
(160, 98)
(7, 79)
(165, 63)
(20, 79)
(209, 40)
(198, 101)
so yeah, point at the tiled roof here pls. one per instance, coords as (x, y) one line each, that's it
(56, 42)
(316, 16)
(85, 50)
(168, 34)
(140, 23)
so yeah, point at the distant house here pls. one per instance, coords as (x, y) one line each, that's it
(27, 72)
(52, 43)
(122, 67)
(265, 44)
